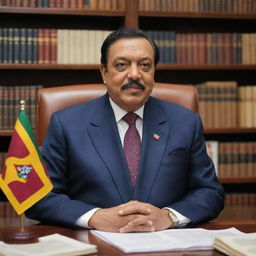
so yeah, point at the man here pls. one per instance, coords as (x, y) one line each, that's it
(87, 157)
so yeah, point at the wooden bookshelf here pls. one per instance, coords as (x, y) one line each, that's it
(61, 11)
(238, 180)
(205, 67)
(199, 15)
(50, 66)
(180, 22)
(230, 131)
(5, 133)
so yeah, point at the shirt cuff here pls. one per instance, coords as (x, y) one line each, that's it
(83, 220)
(183, 220)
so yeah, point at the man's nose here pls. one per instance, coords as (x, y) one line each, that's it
(134, 72)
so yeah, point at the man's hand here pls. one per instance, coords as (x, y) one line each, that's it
(110, 219)
(157, 218)
(133, 216)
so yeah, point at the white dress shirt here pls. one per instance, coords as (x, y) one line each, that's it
(122, 128)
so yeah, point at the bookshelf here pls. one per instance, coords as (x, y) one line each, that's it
(180, 21)
(204, 21)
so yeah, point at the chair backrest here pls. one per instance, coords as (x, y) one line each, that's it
(56, 98)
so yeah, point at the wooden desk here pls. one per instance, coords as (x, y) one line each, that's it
(106, 250)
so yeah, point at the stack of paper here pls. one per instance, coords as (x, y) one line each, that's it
(166, 240)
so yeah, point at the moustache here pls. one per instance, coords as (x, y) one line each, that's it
(131, 84)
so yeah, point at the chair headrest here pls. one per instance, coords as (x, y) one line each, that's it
(55, 98)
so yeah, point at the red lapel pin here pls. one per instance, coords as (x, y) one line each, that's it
(156, 137)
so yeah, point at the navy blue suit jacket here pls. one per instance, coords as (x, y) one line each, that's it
(85, 160)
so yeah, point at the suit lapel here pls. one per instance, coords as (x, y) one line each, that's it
(155, 137)
(105, 137)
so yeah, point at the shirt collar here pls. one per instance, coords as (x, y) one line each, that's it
(120, 113)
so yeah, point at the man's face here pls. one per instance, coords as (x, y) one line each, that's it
(129, 60)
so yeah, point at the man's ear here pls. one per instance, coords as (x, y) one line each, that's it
(104, 73)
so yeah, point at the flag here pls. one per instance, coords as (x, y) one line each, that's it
(24, 180)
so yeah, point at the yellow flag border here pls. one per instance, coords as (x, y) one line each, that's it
(38, 167)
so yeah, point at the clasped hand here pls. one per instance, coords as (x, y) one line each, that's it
(133, 216)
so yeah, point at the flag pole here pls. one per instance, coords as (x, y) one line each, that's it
(22, 217)
(21, 237)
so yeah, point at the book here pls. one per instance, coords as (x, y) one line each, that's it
(243, 245)
(51, 245)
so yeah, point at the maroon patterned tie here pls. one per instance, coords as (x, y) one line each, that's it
(132, 145)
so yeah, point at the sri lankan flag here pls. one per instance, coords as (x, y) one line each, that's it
(24, 180)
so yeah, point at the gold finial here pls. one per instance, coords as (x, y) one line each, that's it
(22, 105)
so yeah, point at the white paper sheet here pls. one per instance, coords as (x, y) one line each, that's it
(166, 240)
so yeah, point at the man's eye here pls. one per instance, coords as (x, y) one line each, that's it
(121, 66)
(146, 66)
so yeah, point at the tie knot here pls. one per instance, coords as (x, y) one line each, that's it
(130, 118)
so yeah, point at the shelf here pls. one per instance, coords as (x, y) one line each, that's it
(6, 133)
(206, 67)
(60, 11)
(207, 131)
(198, 15)
(241, 180)
(97, 12)
(159, 67)
(230, 130)
(51, 66)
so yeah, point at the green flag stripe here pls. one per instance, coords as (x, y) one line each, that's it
(23, 117)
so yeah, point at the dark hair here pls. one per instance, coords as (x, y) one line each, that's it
(126, 33)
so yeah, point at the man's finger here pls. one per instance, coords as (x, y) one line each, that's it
(138, 225)
(134, 209)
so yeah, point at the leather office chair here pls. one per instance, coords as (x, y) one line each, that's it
(56, 98)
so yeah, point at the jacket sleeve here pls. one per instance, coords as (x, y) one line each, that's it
(205, 196)
(57, 207)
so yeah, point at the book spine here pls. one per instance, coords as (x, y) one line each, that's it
(41, 46)
(5, 45)
(10, 54)
(53, 46)
(29, 46)
(34, 46)
(23, 46)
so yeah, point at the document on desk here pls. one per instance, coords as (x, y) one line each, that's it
(51, 245)
(166, 240)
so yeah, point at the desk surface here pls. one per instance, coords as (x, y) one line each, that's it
(106, 250)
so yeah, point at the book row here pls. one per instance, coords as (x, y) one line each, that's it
(205, 48)
(239, 206)
(2, 160)
(241, 199)
(226, 6)
(222, 104)
(63, 46)
(247, 106)
(74, 4)
(237, 160)
(10, 97)
(9, 217)
(233, 159)
(50, 46)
